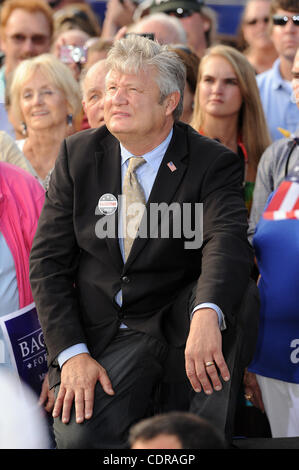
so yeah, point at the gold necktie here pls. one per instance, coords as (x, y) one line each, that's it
(134, 197)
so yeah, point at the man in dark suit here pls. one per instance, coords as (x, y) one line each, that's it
(113, 316)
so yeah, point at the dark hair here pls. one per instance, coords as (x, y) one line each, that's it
(288, 5)
(77, 16)
(192, 431)
(191, 61)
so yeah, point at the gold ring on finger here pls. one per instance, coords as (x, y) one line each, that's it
(209, 363)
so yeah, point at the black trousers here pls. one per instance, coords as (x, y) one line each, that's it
(219, 408)
(149, 377)
(238, 346)
(134, 363)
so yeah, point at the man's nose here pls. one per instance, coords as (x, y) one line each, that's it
(28, 46)
(120, 95)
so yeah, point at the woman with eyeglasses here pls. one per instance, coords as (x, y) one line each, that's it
(227, 108)
(254, 38)
(47, 101)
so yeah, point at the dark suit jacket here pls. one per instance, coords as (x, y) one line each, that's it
(75, 275)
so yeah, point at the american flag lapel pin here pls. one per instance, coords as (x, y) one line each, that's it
(171, 166)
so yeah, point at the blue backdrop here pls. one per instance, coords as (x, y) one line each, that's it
(228, 12)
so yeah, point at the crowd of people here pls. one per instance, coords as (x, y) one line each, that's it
(177, 316)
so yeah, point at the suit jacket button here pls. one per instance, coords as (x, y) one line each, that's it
(125, 279)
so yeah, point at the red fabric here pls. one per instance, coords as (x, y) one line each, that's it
(84, 123)
(240, 144)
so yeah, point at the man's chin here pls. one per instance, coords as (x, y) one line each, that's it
(119, 130)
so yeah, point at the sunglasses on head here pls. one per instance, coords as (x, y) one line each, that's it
(281, 20)
(254, 21)
(180, 12)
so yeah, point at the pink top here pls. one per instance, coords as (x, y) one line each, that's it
(21, 201)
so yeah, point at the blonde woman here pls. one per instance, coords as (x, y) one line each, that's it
(227, 108)
(46, 100)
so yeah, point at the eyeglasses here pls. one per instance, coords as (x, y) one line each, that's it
(36, 39)
(180, 12)
(281, 20)
(254, 21)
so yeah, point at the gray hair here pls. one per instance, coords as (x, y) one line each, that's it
(136, 53)
(86, 73)
(172, 29)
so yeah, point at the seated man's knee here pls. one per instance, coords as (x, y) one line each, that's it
(73, 435)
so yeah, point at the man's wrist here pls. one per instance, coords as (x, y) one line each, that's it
(71, 352)
(206, 311)
(210, 307)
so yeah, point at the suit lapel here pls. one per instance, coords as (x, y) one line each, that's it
(166, 183)
(108, 171)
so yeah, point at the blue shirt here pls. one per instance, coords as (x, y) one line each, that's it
(2, 84)
(5, 124)
(277, 250)
(276, 97)
(146, 175)
(9, 297)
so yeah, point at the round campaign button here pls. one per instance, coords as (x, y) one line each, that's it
(107, 204)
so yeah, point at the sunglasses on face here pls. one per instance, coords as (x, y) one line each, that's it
(36, 39)
(281, 20)
(180, 12)
(254, 21)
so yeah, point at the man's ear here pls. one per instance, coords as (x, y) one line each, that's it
(171, 102)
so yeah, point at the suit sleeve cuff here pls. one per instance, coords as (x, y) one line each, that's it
(221, 319)
(70, 352)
